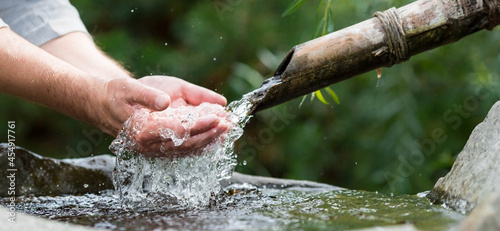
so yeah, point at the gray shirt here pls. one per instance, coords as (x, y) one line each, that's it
(40, 21)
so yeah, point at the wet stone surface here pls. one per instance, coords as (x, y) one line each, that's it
(37, 175)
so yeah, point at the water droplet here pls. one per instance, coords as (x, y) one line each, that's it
(85, 185)
(356, 163)
(215, 58)
(220, 37)
(244, 162)
(166, 44)
(132, 10)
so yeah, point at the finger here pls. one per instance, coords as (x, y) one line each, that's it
(178, 103)
(191, 146)
(202, 139)
(150, 132)
(149, 97)
(204, 124)
(196, 95)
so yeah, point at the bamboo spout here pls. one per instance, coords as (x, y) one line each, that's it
(391, 37)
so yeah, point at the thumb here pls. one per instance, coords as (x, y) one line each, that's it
(150, 97)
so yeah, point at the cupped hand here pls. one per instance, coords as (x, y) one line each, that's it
(157, 93)
(118, 98)
(183, 93)
(171, 135)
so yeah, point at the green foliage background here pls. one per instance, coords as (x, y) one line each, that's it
(367, 142)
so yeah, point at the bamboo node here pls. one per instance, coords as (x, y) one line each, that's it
(395, 34)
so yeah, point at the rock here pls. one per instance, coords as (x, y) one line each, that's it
(276, 183)
(25, 222)
(37, 175)
(476, 172)
(486, 216)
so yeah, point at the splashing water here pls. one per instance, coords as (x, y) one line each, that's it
(188, 180)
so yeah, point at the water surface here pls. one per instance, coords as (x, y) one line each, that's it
(245, 207)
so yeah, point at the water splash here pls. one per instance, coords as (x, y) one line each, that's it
(187, 180)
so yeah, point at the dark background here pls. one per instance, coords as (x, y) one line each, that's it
(378, 138)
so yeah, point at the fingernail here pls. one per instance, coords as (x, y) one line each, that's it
(162, 101)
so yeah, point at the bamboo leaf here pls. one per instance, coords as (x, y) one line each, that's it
(293, 7)
(333, 95)
(329, 21)
(324, 19)
(319, 29)
(302, 101)
(320, 97)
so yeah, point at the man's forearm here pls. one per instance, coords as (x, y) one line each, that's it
(31, 73)
(78, 49)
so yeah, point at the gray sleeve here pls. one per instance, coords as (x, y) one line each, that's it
(40, 21)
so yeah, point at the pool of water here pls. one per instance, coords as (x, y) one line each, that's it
(245, 207)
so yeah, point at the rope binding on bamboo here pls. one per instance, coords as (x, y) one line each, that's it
(395, 34)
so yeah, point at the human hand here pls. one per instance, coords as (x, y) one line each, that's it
(118, 97)
(183, 93)
(205, 129)
(124, 94)
(175, 132)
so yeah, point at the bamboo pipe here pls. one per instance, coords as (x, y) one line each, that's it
(391, 37)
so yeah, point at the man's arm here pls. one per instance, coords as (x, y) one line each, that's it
(31, 73)
(78, 49)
